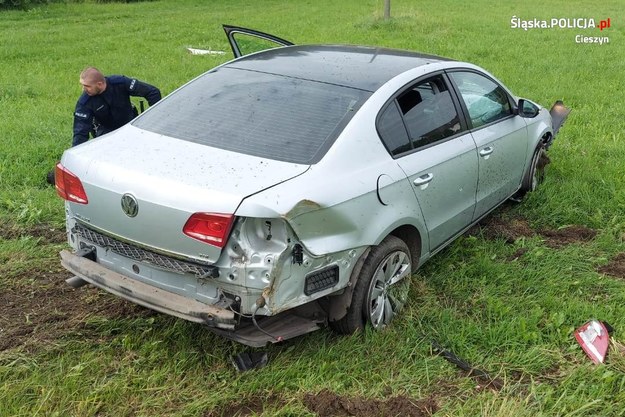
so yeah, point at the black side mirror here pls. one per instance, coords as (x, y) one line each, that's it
(528, 109)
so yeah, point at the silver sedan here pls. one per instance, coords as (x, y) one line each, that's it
(298, 186)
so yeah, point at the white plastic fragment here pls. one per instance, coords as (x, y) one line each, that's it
(195, 51)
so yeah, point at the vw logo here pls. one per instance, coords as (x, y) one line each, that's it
(129, 205)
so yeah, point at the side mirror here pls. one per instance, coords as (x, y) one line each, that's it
(528, 109)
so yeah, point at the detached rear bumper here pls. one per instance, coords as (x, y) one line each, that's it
(147, 295)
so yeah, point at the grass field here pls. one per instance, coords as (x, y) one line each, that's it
(505, 297)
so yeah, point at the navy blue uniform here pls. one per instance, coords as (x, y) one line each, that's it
(110, 109)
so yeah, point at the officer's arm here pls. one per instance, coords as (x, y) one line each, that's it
(83, 123)
(141, 89)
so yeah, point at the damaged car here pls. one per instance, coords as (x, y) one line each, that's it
(297, 186)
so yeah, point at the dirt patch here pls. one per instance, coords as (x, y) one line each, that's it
(499, 228)
(484, 380)
(511, 229)
(47, 233)
(46, 309)
(517, 254)
(616, 267)
(252, 406)
(572, 234)
(328, 404)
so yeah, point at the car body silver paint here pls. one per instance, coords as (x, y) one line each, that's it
(331, 208)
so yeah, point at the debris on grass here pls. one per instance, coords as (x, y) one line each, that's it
(593, 336)
(195, 51)
(248, 360)
(482, 377)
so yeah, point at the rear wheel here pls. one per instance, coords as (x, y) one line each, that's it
(382, 288)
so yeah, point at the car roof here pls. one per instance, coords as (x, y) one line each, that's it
(362, 67)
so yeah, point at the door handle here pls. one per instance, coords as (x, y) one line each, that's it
(486, 151)
(423, 179)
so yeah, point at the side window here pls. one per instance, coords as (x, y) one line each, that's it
(429, 112)
(392, 131)
(485, 100)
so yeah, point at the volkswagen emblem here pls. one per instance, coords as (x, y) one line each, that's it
(130, 205)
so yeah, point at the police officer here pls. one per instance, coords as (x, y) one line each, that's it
(105, 103)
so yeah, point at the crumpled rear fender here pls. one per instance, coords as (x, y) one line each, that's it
(358, 222)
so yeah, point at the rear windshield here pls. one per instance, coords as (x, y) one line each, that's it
(265, 115)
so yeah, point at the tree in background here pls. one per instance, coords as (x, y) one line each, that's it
(387, 9)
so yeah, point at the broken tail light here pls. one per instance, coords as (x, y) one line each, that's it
(211, 228)
(68, 185)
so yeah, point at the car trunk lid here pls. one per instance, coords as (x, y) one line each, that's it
(170, 180)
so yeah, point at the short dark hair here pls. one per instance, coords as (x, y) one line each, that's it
(92, 74)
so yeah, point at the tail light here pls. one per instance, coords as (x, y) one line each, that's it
(211, 228)
(68, 185)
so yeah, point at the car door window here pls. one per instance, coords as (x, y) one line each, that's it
(392, 130)
(486, 101)
(429, 112)
(421, 115)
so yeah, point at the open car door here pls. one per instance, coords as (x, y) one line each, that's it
(245, 41)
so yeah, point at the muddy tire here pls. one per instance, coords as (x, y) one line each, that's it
(381, 289)
(535, 175)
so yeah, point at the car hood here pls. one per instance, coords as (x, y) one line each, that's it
(170, 179)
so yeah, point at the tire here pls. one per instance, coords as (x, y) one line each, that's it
(536, 174)
(381, 289)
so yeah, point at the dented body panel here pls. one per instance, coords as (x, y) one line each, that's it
(299, 229)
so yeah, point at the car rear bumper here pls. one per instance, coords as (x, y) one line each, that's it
(147, 295)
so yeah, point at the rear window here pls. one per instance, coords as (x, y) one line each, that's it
(260, 114)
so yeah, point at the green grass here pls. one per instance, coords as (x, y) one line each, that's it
(514, 318)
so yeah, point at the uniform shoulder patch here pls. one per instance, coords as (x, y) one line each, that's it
(116, 79)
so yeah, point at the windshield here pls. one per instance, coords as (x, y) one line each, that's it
(265, 115)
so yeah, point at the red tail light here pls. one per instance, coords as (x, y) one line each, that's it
(211, 228)
(68, 185)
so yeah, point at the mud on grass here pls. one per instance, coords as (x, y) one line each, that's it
(514, 228)
(47, 233)
(40, 307)
(329, 404)
(616, 267)
(48, 309)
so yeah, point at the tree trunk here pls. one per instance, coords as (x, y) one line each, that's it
(387, 9)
